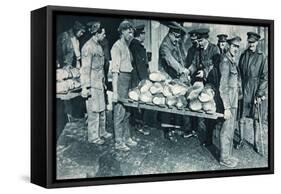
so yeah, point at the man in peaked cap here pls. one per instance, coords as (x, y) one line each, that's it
(205, 58)
(193, 36)
(191, 51)
(230, 84)
(139, 73)
(204, 68)
(140, 60)
(188, 61)
(254, 74)
(222, 43)
(253, 37)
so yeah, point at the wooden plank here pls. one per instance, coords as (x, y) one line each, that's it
(173, 110)
(68, 96)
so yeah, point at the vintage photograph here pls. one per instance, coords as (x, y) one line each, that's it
(144, 97)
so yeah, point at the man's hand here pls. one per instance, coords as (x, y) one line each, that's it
(186, 72)
(85, 93)
(200, 74)
(227, 114)
(184, 78)
(258, 100)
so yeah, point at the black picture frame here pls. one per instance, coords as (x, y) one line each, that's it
(43, 137)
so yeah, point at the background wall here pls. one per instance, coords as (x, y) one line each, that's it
(15, 95)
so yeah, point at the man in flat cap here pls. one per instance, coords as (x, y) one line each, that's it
(230, 84)
(171, 62)
(93, 85)
(204, 68)
(222, 44)
(254, 74)
(121, 81)
(140, 72)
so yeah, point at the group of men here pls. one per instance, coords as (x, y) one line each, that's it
(233, 79)
(127, 52)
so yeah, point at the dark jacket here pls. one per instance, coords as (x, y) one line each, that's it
(253, 68)
(209, 58)
(190, 55)
(140, 62)
(170, 58)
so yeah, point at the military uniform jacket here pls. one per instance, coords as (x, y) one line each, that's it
(253, 67)
(209, 58)
(230, 81)
(170, 58)
(92, 74)
(140, 62)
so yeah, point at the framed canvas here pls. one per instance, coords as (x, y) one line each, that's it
(126, 96)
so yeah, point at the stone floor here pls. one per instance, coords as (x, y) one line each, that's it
(76, 158)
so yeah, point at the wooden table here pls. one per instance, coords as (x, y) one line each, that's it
(174, 110)
(69, 95)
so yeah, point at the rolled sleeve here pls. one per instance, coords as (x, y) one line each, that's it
(116, 59)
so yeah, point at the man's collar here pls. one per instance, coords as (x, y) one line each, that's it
(123, 41)
(258, 51)
(139, 40)
(206, 45)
